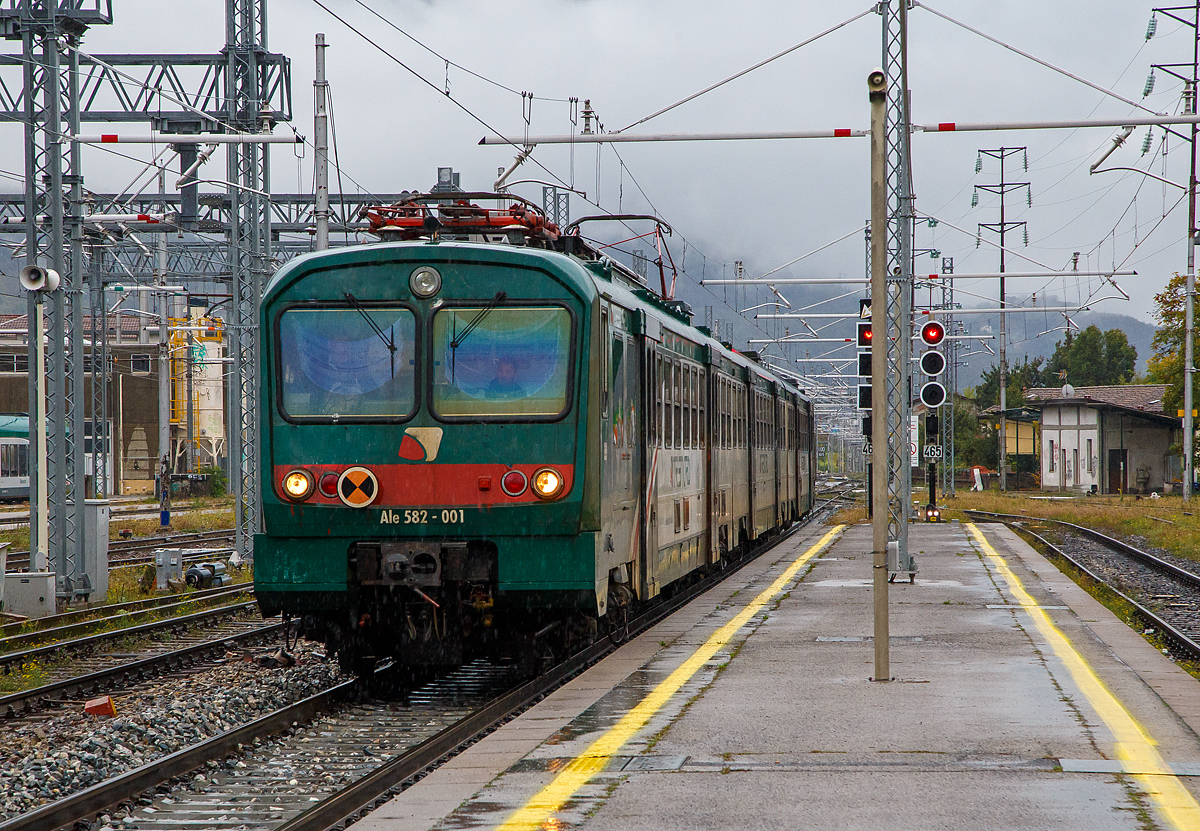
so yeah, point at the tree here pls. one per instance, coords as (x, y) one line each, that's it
(1120, 357)
(1022, 376)
(1092, 358)
(1165, 366)
(974, 443)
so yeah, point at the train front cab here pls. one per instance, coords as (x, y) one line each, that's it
(417, 525)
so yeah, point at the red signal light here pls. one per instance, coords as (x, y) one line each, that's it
(933, 333)
(864, 334)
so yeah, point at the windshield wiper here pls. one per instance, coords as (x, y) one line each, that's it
(388, 339)
(456, 340)
(475, 321)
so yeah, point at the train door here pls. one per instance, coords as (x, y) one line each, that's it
(607, 449)
(710, 418)
(753, 440)
(649, 452)
(740, 464)
(620, 430)
(781, 465)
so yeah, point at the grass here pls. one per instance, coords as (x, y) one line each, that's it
(124, 587)
(203, 514)
(1162, 523)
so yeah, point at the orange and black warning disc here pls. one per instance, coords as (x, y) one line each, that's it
(357, 487)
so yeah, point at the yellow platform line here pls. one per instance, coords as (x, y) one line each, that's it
(583, 767)
(1133, 744)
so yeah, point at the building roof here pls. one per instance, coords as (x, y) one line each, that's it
(1146, 397)
(131, 325)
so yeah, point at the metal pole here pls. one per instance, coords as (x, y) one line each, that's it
(189, 453)
(877, 87)
(321, 148)
(164, 355)
(41, 553)
(1189, 300)
(1003, 343)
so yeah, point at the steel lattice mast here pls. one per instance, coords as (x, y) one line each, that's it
(249, 250)
(898, 326)
(51, 111)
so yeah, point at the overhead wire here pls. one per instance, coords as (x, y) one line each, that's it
(449, 62)
(749, 69)
(465, 109)
(1034, 58)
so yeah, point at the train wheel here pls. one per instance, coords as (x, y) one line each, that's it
(617, 615)
(353, 662)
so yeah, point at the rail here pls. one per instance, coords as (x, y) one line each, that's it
(365, 791)
(1184, 642)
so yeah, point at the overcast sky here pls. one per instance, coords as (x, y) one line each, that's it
(760, 202)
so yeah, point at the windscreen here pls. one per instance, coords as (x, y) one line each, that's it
(351, 363)
(501, 362)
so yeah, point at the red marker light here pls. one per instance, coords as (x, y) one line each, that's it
(329, 485)
(514, 483)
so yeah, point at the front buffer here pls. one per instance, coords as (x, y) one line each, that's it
(429, 601)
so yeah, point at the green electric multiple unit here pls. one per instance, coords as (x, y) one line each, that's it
(491, 439)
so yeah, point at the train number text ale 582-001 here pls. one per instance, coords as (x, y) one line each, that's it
(421, 516)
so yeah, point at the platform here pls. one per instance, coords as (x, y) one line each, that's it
(1017, 701)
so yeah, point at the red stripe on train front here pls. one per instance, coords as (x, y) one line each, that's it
(433, 484)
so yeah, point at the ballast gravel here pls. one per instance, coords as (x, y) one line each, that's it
(67, 750)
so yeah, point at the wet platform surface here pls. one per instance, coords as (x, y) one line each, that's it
(1017, 701)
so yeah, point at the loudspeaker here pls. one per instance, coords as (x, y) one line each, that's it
(36, 278)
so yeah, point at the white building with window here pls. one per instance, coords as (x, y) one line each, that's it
(1113, 439)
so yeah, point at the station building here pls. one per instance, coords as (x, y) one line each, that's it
(1107, 439)
(133, 396)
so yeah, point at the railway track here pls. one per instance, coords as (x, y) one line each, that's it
(352, 751)
(68, 625)
(51, 644)
(97, 675)
(1164, 595)
(125, 553)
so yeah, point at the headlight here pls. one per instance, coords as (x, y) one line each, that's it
(425, 282)
(547, 483)
(298, 485)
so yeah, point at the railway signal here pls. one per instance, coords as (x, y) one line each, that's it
(864, 365)
(933, 363)
(864, 334)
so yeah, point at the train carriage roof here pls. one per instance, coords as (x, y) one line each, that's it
(14, 425)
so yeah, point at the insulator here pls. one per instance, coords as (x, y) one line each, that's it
(1151, 27)
(1025, 157)
(931, 222)
(978, 240)
(979, 163)
(974, 198)
(1149, 87)
(1025, 234)
(1147, 141)
(1028, 197)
